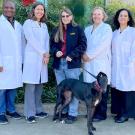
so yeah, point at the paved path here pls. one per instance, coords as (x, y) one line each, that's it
(47, 127)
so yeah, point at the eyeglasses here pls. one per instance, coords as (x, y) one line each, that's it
(65, 16)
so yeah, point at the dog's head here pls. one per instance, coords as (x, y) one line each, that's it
(102, 81)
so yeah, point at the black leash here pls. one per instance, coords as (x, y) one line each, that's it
(90, 73)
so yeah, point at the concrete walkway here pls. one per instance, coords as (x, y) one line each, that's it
(47, 127)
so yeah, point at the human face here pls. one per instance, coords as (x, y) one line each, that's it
(9, 9)
(123, 18)
(66, 18)
(97, 16)
(39, 12)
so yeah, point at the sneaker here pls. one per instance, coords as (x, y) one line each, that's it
(14, 115)
(3, 120)
(31, 119)
(70, 119)
(42, 115)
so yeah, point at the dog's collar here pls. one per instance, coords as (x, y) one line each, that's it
(97, 86)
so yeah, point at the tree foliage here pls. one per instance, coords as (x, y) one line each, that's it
(82, 10)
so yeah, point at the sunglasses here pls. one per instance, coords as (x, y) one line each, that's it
(65, 16)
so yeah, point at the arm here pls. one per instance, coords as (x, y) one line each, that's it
(46, 55)
(54, 47)
(47, 41)
(28, 32)
(81, 46)
(1, 63)
(101, 44)
(132, 53)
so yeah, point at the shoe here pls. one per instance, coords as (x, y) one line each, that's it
(121, 120)
(42, 115)
(98, 119)
(116, 117)
(14, 115)
(3, 120)
(70, 119)
(31, 119)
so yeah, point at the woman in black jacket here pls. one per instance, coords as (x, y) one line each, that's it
(68, 44)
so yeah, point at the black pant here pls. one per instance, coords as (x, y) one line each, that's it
(122, 103)
(101, 109)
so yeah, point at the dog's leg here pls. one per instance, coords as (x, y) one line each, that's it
(61, 110)
(89, 116)
(55, 111)
(67, 99)
(92, 114)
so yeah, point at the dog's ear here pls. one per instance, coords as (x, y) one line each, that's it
(102, 74)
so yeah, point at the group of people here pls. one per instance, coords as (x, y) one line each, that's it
(95, 49)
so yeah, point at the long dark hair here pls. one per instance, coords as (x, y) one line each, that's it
(31, 14)
(116, 22)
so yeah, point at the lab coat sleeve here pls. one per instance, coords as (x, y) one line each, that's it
(132, 54)
(101, 44)
(0, 59)
(23, 40)
(1, 63)
(47, 41)
(31, 39)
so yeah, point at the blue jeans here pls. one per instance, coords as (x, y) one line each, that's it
(64, 73)
(7, 101)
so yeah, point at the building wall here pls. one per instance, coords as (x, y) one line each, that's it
(130, 2)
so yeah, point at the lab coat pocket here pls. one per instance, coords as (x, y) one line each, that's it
(128, 76)
(30, 58)
(8, 63)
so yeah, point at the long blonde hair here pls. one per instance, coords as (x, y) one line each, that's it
(59, 34)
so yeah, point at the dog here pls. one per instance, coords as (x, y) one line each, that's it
(90, 93)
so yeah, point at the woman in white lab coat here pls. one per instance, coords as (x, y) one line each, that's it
(98, 54)
(123, 66)
(36, 58)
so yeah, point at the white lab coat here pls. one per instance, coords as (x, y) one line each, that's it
(37, 38)
(10, 54)
(99, 50)
(123, 59)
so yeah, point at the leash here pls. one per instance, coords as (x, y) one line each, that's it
(89, 73)
(96, 85)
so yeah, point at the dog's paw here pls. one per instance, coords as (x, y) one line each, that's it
(54, 119)
(93, 129)
(62, 122)
(90, 133)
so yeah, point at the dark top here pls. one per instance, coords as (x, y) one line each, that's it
(75, 46)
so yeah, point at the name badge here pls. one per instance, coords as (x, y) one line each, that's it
(72, 33)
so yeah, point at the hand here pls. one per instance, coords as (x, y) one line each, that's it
(46, 57)
(46, 60)
(85, 58)
(59, 54)
(68, 59)
(1, 69)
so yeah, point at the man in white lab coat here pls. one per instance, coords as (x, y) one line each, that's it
(10, 61)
